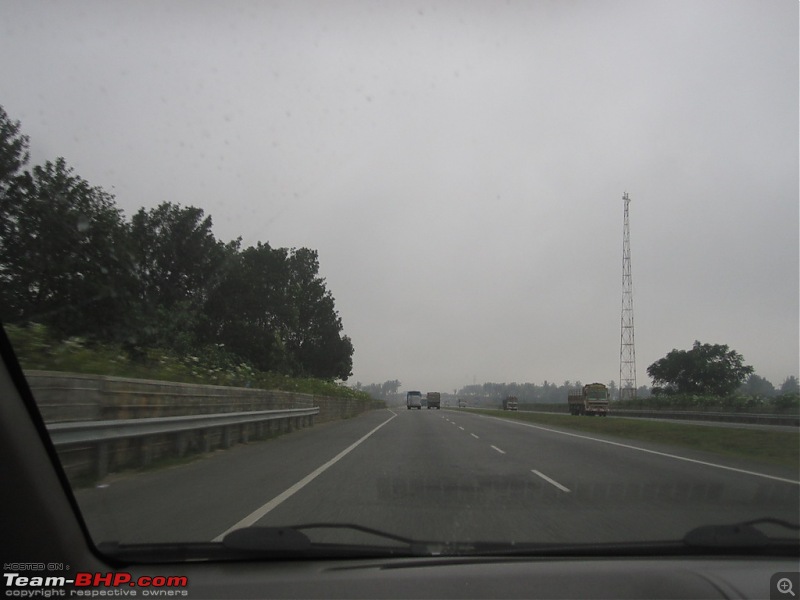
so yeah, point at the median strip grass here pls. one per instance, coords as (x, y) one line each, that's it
(772, 447)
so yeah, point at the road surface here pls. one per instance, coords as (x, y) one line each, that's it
(443, 475)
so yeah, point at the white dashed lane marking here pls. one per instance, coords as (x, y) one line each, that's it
(550, 481)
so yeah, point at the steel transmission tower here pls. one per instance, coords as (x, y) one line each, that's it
(627, 350)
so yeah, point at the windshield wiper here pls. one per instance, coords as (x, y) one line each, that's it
(288, 543)
(293, 540)
(738, 538)
(741, 536)
(271, 542)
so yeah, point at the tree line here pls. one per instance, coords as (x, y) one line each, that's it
(715, 371)
(69, 260)
(704, 372)
(380, 391)
(545, 393)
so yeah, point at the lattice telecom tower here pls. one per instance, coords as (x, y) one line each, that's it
(627, 350)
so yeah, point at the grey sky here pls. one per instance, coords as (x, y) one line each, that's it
(459, 165)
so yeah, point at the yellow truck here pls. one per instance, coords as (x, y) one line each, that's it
(592, 400)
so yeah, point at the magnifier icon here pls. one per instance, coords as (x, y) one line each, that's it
(785, 586)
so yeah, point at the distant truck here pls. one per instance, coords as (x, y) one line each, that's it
(592, 400)
(510, 403)
(434, 400)
(414, 400)
(462, 403)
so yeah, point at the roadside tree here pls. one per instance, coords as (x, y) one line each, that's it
(706, 369)
(757, 386)
(790, 385)
(65, 259)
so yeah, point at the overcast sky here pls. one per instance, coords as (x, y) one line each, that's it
(459, 166)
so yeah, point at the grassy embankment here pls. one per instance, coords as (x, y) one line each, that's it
(36, 350)
(772, 447)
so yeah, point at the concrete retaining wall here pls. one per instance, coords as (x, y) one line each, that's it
(64, 397)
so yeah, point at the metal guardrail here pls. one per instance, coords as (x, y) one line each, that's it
(98, 431)
(101, 435)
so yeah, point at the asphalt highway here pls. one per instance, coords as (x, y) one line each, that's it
(443, 475)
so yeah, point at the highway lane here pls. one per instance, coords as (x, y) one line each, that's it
(199, 500)
(446, 475)
(459, 476)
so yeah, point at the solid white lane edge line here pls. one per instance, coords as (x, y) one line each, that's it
(551, 481)
(257, 514)
(498, 449)
(656, 452)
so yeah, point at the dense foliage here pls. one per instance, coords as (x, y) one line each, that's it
(706, 369)
(38, 350)
(547, 392)
(159, 283)
(388, 390)
(780, 403)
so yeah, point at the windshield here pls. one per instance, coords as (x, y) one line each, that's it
(207, 280)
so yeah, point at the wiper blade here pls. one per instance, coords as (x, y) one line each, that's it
(773, 521)
(740, 536)
(288, 543)
(291, 541)
(413, 547)
(406, 542)
(266, 542)
(273, 539)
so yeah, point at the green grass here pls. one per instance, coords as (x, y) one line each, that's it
(37, 350)
(771, 447)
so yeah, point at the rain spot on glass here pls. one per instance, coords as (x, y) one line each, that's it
(83, 223)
